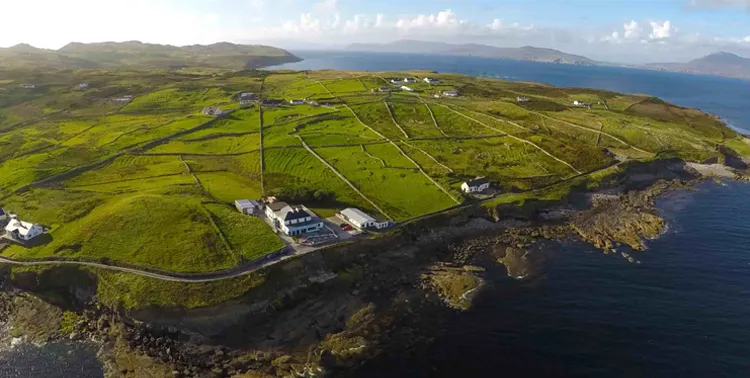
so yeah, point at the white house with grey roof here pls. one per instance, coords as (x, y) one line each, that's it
(293, 220)
(22, 231)
(477, 185)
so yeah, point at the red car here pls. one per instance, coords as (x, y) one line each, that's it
(346, 227)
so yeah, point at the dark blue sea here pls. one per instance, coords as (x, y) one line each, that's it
(683, 311)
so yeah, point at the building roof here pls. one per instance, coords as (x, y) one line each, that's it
(2, 212)
(477, 182)
(246, 203)
(273, 102)
(305, 224)
(20, 226)
(291, 213)
(357, 216)
(276, 206)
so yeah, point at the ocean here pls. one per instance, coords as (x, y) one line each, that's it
(683, 311)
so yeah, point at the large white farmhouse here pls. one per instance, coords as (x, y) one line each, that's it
(293, 220)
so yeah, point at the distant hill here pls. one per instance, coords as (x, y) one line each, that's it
(144, 55)
(720, 63)
(529, 53)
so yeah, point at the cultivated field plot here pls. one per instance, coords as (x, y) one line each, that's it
(239, 122)
(330, 129)
(398, 187)
(152, 181)
(211, 145)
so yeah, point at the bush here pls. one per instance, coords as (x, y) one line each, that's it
(300, 194)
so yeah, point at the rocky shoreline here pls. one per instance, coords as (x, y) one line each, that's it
(390, 294)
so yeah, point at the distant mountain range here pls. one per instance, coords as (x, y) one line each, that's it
(143, 55)
(528, 53)
(720, 63)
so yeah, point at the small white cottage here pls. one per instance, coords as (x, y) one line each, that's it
(477, 185)
(23, 231)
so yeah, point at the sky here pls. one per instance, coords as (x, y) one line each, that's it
(628, 31)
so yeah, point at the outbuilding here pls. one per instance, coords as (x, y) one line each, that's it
(358, 218)
(3, 215)
(430, 80)
(450, 93)
(407, 89)
(477, 185)
(83, 86)
(297, 102)
(247, 207)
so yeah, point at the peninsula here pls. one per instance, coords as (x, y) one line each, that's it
(275, 223)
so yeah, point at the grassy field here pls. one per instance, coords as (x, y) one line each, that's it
(152, 182)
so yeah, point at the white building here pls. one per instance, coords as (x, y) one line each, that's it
(357, 218)
(405, 88)
(293, 220)
(522, 99)
(430, 80)
(247, 96)
(83, 86)
(396, 81)
(410, 80)
(477, 185)
(297, 102)
(450, 93)
(580, 103)
(28, 86)
(247, 207)
(23, 231)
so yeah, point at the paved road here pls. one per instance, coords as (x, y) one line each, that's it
(159, 276)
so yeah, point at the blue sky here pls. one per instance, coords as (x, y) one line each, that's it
(618, 30)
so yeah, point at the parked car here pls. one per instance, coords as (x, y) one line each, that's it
(346, 227)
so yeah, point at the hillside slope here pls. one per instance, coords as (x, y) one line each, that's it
(721, 63)
(143, 55)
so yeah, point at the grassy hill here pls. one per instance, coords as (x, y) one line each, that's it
(135, 54)
(151, 182)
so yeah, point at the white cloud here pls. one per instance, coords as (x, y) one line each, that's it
(660, 30)
(379, 20)
(632, 30)
(446, 19)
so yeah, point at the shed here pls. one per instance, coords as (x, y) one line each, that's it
(357, 218)
(450, 93)
(247, 207)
